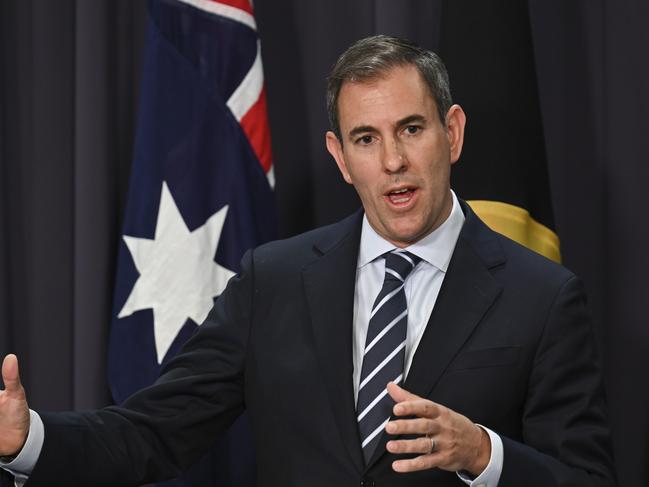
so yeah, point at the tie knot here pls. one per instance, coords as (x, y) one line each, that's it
(399, 263)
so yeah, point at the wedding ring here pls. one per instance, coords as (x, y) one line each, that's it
(433, 444)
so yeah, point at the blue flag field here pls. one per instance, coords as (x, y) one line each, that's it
(200, 195)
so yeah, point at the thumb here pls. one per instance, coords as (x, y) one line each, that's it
(10, 374)
(399, 394)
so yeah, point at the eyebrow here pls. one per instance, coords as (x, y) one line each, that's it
(410, 119)
(363, 129)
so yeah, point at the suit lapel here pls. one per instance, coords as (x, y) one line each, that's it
(329, 286)
(466, 294)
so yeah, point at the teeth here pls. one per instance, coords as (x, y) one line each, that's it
(400, 191)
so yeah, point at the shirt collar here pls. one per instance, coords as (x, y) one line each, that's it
(436, 248)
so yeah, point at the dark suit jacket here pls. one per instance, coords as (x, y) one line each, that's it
(508, 344)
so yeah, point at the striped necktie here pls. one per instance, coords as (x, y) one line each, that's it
(383, 357)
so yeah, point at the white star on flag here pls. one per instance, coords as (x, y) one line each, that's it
(178, 276)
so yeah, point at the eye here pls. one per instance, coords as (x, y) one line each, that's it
(412, 129)
(365, 140)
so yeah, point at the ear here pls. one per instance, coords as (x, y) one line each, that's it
(455, 123)
(335, 148)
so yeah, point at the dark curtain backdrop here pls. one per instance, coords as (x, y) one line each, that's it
(555, 91)
(68, 74)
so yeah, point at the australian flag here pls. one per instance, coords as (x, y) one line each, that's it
(200, 195)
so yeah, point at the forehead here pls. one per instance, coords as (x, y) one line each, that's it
(396, 94)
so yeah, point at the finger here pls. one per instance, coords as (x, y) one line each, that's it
(405, 399)
(422, 462)
(10, 373)
(422, 408)
(417, 445)
(421, 426)
(399, 394)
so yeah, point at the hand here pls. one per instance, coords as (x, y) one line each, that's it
(14, 413)
(459, 444)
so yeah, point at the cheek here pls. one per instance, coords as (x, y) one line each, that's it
(439, 173)
(369, 199)
(365, 194)
(362, 176)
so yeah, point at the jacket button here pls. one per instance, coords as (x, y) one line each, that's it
(368, 483)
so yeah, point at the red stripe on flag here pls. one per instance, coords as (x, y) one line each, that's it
(240, 4)
(255, 125)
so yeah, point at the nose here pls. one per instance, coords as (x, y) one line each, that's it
(394, 157)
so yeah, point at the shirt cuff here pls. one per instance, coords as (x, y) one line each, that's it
(490, 476)
(21, 467)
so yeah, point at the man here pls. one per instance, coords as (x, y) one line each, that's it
(465, 327)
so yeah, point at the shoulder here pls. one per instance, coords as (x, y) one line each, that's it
(536, 282)
(300, 250)
(523, 260)
(510, 262)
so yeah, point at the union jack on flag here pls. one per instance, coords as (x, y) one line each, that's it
(200, 192)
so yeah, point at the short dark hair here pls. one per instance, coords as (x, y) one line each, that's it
(372, 57)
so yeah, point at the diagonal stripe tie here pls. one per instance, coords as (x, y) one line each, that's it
(384, 352)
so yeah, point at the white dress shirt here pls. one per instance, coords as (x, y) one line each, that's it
(421, 288)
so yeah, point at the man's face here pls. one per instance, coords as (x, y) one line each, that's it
(397, 153)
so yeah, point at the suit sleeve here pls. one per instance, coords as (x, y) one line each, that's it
(160, 430)
(565, 433)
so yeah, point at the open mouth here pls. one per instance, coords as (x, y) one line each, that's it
(401, 196)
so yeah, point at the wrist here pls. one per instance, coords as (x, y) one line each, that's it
(12, 456)
(482, 453)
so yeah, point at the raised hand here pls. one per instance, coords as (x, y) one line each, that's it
(446, 439)
(14, 412)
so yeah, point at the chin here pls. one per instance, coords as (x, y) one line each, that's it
(404, 238)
